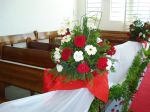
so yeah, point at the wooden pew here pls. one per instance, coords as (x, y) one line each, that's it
(20, 75)
(41, 46)
(115, 37)
(34, 57)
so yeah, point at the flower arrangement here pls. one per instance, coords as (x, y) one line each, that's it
(140, 31)
(82, 53)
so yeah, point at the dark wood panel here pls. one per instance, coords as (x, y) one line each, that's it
(21, 76)
(115, 37)
(2, 90)
(34, 57)
(41, 46)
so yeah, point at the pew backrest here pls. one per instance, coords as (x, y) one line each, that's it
(41, 46)
(20, 75)
(34, 57)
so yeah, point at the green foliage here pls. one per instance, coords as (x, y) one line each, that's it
(96, 106)
(128, 87)
(138, 27)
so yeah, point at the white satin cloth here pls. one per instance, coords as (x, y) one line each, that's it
(75, 100)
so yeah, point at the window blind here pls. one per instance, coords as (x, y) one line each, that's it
(93, 7)
(137, 9)
(117, 9)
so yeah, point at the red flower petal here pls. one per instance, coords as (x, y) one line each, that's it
(83, 68)
(79, 41)
(66, 54)
(102, 63)
(111, 51)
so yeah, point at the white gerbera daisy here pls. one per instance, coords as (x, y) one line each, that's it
(90, 49)
(57, 54)
(59, 67)
(109, 64)
(78, 56)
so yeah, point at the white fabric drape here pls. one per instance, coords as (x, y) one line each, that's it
(57, 101)
(74, 100)
(125, 54)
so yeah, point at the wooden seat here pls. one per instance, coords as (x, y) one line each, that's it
(2, 100)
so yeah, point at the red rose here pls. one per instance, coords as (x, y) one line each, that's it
(66, 54)
(148, 36)
(79, 41)
(83, 68)
(111, 51)
(102, 63)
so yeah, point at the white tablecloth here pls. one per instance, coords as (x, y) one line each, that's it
(74, 100)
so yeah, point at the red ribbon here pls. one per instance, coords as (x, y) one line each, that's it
(98, 86)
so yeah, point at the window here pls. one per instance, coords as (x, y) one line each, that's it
(117, 10)
(119, 13)
(137, 9)
(93, 7)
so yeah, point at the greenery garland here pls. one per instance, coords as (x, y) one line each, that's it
(128, 87)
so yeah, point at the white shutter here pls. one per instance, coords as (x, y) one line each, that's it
(117, 10)
(93, 7)
(137, 9)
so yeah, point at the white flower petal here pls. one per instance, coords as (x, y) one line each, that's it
(90, 49)
(99, 40)
(59, 67)
(57, 55)
(140, 34)
(78, 56)
(109, 64)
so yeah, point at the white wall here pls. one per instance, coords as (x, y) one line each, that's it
(23, 16)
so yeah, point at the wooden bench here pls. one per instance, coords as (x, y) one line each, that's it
(28, 77)
(34, 57)
(41, 46)
(115, 37)
(20, 75)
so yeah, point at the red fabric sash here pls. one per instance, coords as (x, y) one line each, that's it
(98, 86)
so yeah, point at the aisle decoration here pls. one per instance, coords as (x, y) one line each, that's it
(140, 31)
(124, 92)
(82, 52)
(82, 60)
